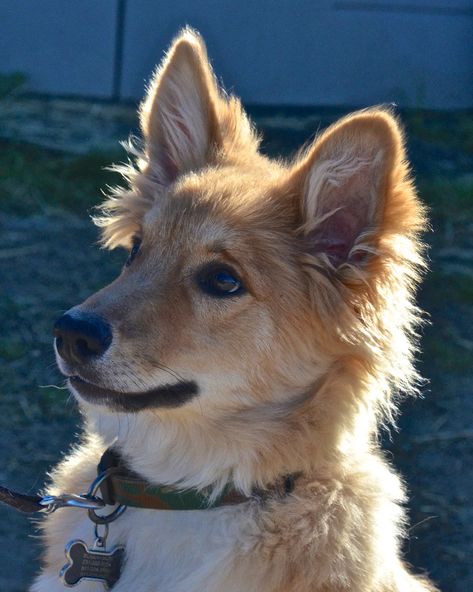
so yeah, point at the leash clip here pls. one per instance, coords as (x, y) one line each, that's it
(51, 503)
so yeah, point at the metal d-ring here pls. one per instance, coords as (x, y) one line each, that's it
(98, 518)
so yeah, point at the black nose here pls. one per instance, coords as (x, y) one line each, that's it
(81, 336)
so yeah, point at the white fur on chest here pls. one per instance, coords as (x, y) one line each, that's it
(168, 551)
(167, 548)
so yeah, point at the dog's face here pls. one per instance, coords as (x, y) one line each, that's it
(248, 281)
(205, 306)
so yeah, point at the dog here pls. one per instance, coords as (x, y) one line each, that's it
(259, 335)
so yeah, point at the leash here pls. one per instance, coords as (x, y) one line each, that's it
(20, 501)
(121, 487)
(30, 504)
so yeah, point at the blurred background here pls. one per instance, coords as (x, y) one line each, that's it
(71, 74)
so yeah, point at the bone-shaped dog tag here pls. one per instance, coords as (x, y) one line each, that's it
(97, 565)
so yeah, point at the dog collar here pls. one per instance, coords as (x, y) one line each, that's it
(124, 487)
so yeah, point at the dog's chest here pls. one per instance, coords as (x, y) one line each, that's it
(165, 550)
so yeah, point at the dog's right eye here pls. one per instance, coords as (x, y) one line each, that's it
(134, 250)
(220, 281)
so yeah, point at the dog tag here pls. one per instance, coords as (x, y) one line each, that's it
(97, 565)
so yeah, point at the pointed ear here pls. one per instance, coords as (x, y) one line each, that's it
(343, 182)
(179, 115)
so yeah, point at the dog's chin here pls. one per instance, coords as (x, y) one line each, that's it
(167, 395)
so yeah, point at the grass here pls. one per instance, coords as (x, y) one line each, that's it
(441, 286)
(447, 340)
(11, 349)
(448, 198)
(33, 179)
(453, 359)
(450, 129)
(12, 83)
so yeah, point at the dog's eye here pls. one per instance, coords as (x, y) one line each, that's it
(134, 250)
(220, 282)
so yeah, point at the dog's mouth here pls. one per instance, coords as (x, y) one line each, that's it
(166, 395)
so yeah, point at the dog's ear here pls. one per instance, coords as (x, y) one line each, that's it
(343, 181)
(179, 115)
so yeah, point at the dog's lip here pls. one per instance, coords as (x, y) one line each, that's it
(167, 395)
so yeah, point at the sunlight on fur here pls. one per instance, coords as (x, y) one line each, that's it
(296, 372)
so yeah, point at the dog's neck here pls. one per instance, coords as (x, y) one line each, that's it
(249, 448)
(192, 453)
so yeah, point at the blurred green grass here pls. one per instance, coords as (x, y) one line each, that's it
(453, 129)
(448, 198)
(33, 179)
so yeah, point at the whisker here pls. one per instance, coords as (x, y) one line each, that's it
(170, 371)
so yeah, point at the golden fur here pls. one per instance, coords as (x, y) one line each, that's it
(295, 376)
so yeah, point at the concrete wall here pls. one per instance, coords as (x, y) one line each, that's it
(64, 46)
(293, 52)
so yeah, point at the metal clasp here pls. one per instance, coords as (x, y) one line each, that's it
(52, 503)
(88, 501)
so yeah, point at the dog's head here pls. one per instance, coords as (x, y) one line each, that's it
(251, 286)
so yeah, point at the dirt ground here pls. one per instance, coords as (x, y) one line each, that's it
(49, 262)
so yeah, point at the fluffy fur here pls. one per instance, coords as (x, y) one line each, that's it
(296, 374)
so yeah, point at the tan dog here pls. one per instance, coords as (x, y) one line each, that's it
(262, 327)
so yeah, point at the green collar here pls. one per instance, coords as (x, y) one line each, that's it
(126, 488)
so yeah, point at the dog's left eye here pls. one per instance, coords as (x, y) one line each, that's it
(220, 282)
(134, 250)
